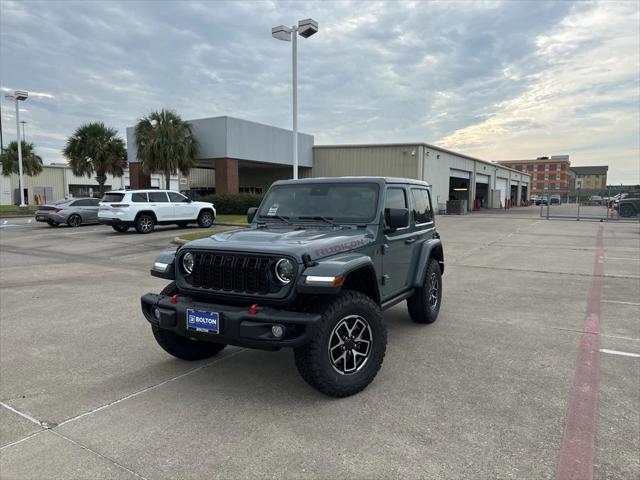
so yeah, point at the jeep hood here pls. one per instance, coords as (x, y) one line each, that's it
(317, 242)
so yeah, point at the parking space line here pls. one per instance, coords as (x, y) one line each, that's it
(147, 389)
(24, 415)
(577, 450)
(617, 352)
(621, 302)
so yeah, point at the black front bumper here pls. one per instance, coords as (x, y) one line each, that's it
(238, 326)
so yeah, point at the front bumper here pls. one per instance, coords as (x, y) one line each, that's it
(237, 325)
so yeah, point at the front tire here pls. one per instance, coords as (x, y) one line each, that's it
(626, 211)
(424, 305)
(347, 348)
(205, 219)
(74, 221)
(145, 223)
(120, 228)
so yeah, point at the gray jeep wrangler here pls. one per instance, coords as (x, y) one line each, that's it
(320, 261)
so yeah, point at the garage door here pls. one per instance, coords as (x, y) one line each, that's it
(480, 178)
(501, 184)
(458, 173)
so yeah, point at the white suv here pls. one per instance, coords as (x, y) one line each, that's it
(143, 209)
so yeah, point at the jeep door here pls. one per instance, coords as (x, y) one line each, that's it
(422, 222)
(183, 209)
(397, 247)
(159, 203)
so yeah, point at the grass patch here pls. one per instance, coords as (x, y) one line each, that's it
(204, 233)
(231, 219)
(29, 209)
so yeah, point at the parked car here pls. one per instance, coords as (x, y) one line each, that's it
(555, 200)
(72, 211)
(144, 209)
(320, 262)
(597, 199)
(542, 200)
(629, 204)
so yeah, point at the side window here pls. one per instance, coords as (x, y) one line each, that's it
(422, 212)
(158, 197)
(139, 197)
(177, 198)
(395, 198)
(94, 202)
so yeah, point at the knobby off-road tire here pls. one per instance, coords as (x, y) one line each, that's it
(424, 305)
(182, 347)
(120, 228)
(205, 219)
(356, 317)
(145, 223)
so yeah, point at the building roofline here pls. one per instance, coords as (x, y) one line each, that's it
(420, 144)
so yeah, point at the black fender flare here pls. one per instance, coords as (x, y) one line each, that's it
(428, 249)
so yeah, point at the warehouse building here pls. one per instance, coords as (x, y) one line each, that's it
(242, 156)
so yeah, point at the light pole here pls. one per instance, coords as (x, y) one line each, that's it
(304, 28)
(18, 96)
(24, 137)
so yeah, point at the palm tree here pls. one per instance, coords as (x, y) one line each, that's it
(95, 149)
(31, 163)
(165, 144)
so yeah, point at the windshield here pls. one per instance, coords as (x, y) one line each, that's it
(339, 202)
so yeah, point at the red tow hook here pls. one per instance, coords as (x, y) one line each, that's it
(253, 309)
(175, 298)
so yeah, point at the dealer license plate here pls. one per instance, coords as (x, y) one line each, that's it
(201, 321)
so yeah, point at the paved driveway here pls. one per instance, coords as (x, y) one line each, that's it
(494, 389)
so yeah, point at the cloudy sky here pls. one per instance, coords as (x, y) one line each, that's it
(497, 80)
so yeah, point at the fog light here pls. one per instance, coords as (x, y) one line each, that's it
(156, 313)
(277, 331)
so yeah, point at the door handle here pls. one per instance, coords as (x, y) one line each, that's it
(410, 240)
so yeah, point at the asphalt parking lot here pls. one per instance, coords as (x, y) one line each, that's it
(510, 382)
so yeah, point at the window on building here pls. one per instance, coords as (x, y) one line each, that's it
(546, 167)
(546, 176)
(546, 186)
(535, 167)
(557, 176)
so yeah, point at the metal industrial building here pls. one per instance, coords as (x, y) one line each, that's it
(242, 156)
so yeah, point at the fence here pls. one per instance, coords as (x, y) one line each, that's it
(584, 209)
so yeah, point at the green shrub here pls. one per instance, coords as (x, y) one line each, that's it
(233, 203)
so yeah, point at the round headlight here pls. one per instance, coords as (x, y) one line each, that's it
(187, 263)
(284, 270)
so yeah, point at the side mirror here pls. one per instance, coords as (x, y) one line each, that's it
(396, 217)
(251, 213)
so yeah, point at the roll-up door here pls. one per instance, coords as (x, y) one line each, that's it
(481, 178)
(458, 173)
(501, 184)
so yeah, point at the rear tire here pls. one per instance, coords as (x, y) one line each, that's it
(347, 348)
(627, 211)
(182, 347)
(120, 228)
(74, 220)
(205, 219)
(424, 305)
(145, 223)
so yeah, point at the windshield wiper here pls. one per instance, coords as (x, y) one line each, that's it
(324, 219)
(279, 217)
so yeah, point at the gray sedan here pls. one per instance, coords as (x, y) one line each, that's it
(73, 211)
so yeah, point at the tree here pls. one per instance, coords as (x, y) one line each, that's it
(95, 149)
(31, 163)
(165, 144)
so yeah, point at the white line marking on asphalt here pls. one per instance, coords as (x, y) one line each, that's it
(22, 439)
(104, 457)
(147, 389)
(637, 259)
(621, 303)
(617, 352)
(24, 415)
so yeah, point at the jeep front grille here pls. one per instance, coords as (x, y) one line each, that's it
(231, 273)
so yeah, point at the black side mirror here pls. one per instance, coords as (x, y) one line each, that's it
(396, 217)
(251, 213)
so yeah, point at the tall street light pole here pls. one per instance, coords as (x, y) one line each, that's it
(304, 28)
(24, 137)
(19, 96)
